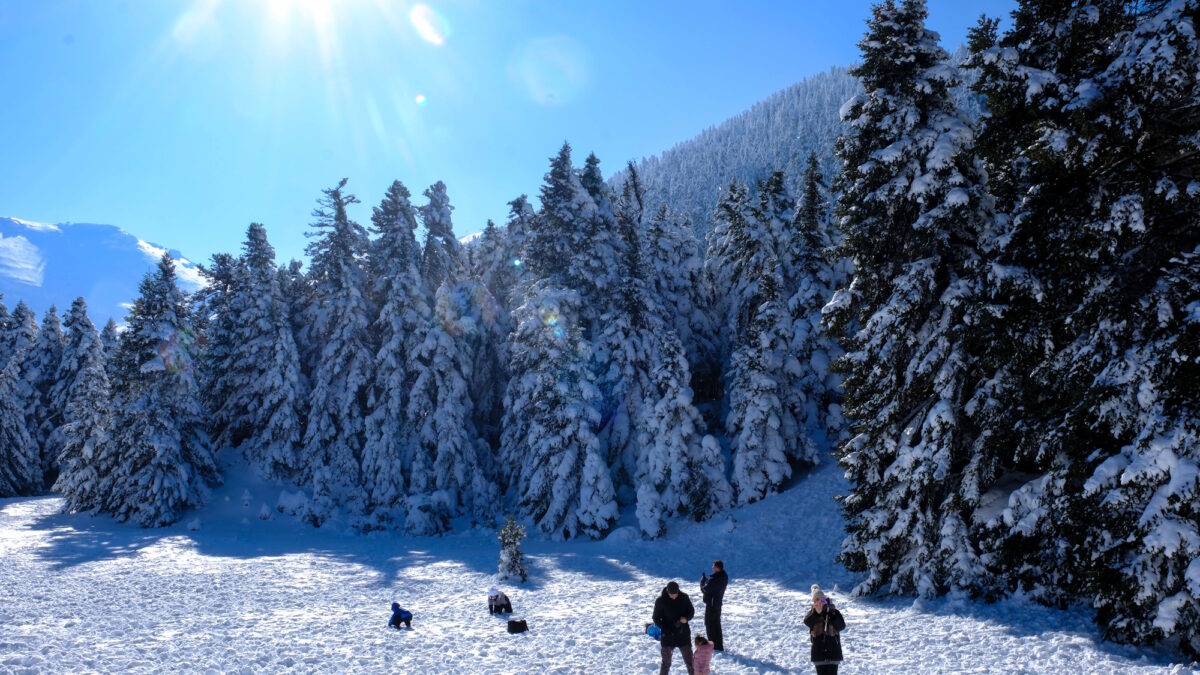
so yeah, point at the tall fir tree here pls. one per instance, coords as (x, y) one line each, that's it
(110, 339)
(341, 377)
(733, 264)
(558, 235)
(164, 460)
(45, 359)
(442, 257)
(81, 392)
(814, 349)
(913, 209)
(549, 447)
(221, 300)
(20, 468)
(757, 416)
(448, 469)
(677, 472)
(5, 341)
(594, 267)
(1093, 147)
(625, 346)
(23, 344)
(405, 310)
(1147, 185)
(268, 383)
(675, 270)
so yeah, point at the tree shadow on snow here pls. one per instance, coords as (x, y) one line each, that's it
(761, 665)
(76, 539)
(80, 538)
(1020, 619)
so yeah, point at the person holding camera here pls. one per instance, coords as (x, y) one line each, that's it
(672, 611)
(712, 589)
(825, 624)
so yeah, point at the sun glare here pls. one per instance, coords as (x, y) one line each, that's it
(285, 18)
(429, 24)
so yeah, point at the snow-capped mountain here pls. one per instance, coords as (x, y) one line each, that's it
(46, 264)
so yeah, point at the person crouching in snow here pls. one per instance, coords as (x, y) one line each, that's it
(825, 624)
(702, 655)
(400, 616)
(498, 603)
(672, 611)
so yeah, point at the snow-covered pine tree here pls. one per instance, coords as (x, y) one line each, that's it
(23, 335)
(45, 359)
(82, 393)
(773, 212)
(626, 350)
(110, 339)
(268, 386)
(913, 209)
(341, 378)
(516, 232)
(756, 419)
(813, 349)
(490, 261)
(1059, 280)
(675, 271)
(677, 473)
(20, 468)
(1109, 185)
(549, 441)
(442, 257)
(220, 301)
(733, 265)
(446, 475)
(5, 323)
(396, 258)
(774, 231)
(164, 458)
(594, 266)
(512, 560)
(1149, 184)
(484, 336)
(557, 236)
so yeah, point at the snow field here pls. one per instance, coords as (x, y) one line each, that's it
(246, 595)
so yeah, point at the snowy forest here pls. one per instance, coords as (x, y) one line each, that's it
(992, 316)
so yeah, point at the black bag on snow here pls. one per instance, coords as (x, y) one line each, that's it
(517, 626)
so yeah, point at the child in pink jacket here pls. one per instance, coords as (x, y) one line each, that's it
(702, 655)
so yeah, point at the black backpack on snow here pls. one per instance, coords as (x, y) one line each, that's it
(517, 626)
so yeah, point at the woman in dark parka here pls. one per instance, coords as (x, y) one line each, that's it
(825, 624)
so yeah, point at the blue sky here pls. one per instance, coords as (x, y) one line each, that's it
(183, 121)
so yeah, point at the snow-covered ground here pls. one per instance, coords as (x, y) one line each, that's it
(240, 594)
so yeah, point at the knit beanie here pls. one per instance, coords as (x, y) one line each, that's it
(817, 594)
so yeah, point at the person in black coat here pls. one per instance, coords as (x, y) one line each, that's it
(825, 624)
(712, 590)
(400, 616)
(672, 611)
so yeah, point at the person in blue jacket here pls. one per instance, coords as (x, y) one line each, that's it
(400, 616)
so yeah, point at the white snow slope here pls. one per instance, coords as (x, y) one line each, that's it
(47, 265)
(240, 594)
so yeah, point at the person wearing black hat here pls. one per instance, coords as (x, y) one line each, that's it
(712, 590)
(672, 611)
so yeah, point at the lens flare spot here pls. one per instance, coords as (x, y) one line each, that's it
(550, 317)
(420, 100)
(551, 70)
(429, 24)
(516, 262)
(558, 332)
